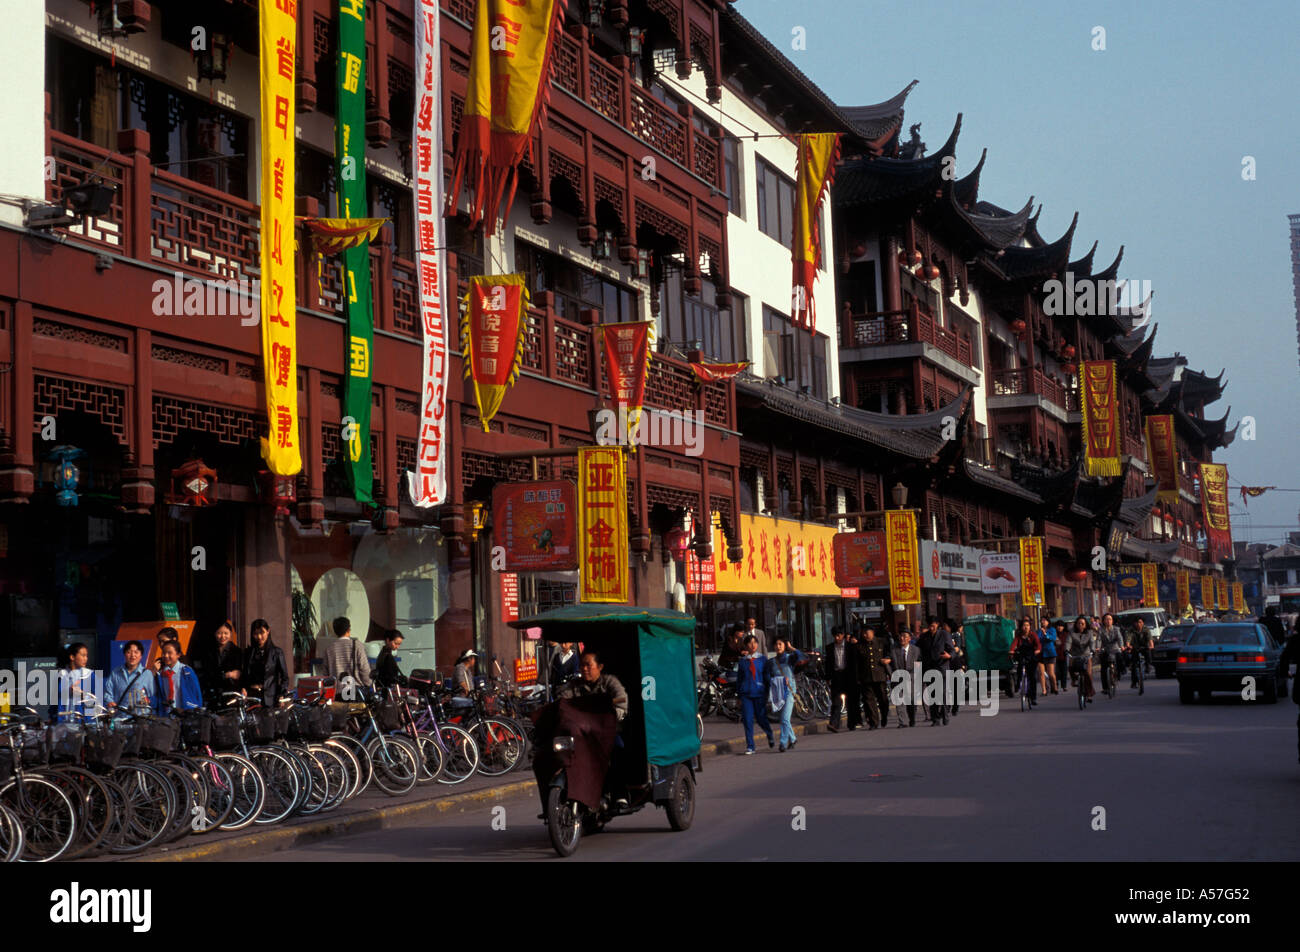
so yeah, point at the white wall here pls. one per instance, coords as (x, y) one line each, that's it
(758, 266)
(22, 107)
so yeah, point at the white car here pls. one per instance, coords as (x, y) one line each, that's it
(1157, 620)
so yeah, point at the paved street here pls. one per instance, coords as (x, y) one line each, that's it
(1205, 782)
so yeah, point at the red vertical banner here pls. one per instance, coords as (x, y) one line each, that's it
(1100, 398)
(492, 338)
(602, 525)
(1214, 505)
(627, 360)
(1162, 451)
(509, 597)
(904, 563)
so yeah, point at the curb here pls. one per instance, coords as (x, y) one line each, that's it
(273, 840)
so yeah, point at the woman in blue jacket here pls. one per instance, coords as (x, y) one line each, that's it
(787, 656)
(755, 681)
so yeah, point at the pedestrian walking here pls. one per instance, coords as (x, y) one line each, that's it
(753, 631)
(783, 665)
(753, 687)
(905, 657)
(345, 659)
(1026, 650)
(841, 661)
(1046, 667)
(936, 652)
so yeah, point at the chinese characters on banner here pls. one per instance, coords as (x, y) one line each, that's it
(1100, 393)
(627, 358)
(428, 483)
(278, 31)
(1207, 591)
(492, 338)
(1150, 585)
(509, 597)
(1214, 504)
(602, 525)
(904, 564)
(350, 157)
(536, 524)
(1222, 595)
(782, 557)
(1184, 591)
(1031, 571)
(1162, 451)
(816, 167)
(701, 577)
(509, 67)
(860, 560)
(1238, 597)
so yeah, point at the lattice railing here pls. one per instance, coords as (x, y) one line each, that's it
(406, 304)
(654, 123)
(572, 353)
(534, 358)
(202, 230)
(76, 163)
(566, 73)
(603, 84)
(669, 385)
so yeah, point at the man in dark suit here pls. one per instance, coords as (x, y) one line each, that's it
(873, 678)
(905, 657)
(841, 662)
(936, 651)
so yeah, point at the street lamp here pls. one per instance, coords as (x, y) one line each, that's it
(899, 492)
(1027, 526)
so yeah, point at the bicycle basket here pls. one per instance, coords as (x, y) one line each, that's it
(261, 726)
(389, 716)
(224, 732)
(311, 724)
(65, 743)
(35, 747)
(158, 734)
(104, 748)
(280, 722)
(196, 728)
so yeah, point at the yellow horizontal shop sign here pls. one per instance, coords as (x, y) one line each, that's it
(782, 557)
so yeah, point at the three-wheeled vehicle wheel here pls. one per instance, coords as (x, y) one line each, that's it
(681, 801)
(563, 822)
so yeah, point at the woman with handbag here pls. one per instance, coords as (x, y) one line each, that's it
(265, 675)
(787, 656)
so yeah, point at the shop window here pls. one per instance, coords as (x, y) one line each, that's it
(775, 195)
(575, 288)
(734, 185)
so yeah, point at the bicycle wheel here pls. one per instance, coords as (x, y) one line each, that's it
(95, 808)
(500, 746)
(802, 709)
(1083, 690)
(431, 759)
(47, 814)
(358, 750)
(318, 792)
(395, 765)
(305, 777)
(151, 804)
(356, 772)
(460, 754)
(280, 775)
(337, 780)
(189, 798)
(1024, 691)
(12, 839)
(218, 795)
(248, 788)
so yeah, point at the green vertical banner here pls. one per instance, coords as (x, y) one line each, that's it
(350, 151)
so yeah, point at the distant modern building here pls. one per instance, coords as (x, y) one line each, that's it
(1295, 268)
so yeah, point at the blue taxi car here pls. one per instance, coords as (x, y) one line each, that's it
(1218, 656)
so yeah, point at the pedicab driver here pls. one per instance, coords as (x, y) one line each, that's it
(595, 681)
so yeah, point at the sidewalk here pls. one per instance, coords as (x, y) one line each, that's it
(376, 811)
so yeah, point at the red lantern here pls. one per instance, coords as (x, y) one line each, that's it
(193, 484)
(1076, 574)
(1018, 327)
(920, 271)
(676, 542)
(1068, 351)
(859, 248)
(903, 258)
(278, 491)
(916, 256)
(932, 271)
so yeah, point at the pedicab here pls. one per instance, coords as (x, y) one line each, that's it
(988, 647)
(590, 768)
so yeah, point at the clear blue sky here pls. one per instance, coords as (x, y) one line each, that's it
(1145, 140)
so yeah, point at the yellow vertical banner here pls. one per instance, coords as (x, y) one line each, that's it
(1207, 591)
(1238, 597)
(904, 563)
(602, 525)
(1222, 597)
(1150, 585)
(1031, 571)
(278, 33)
(1184, 591)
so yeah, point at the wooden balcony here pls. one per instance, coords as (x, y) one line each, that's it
(879, 328)
(1031, 380)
